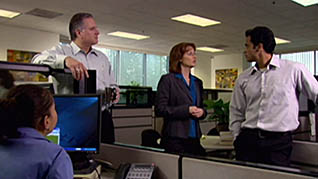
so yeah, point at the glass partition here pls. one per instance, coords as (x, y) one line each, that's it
(135, 96)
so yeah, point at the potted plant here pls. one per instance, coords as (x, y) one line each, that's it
(220, 114)
(133, 92)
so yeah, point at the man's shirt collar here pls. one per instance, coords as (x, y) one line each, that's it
(274, 63)
(76, 49)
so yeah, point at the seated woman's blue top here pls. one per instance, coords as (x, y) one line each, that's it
(33, 156)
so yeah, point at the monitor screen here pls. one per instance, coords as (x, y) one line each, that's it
(78, 126)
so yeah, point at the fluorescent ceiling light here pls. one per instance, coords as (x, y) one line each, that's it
(306, 2)
(128, 35)
(281, 41)
(195, 20)
(8, 14)
(210, 49)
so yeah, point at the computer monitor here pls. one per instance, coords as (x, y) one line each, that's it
(78, 126)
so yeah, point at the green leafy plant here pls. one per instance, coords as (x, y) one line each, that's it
(221, 110)
(134, 83)
(134, 92)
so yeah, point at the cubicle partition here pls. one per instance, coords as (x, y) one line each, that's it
(129, 123)
(172, 166)
(198, 168)
(167, 164)
(305, 152)
(133, 114)
(86, 85)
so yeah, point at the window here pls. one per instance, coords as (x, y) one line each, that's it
(156, 66)
(306, 58)
(130, 68)
(309, 59)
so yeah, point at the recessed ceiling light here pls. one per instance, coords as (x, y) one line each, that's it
(210, 49)
(306, 2)
(196, 20)
(8, 14)
(281, 41)
(128, 35)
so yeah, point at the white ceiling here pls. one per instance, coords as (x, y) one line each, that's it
(287, 19)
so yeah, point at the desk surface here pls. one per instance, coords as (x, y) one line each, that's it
(105, 173)
(108, 173)
(214, 143)
(92, 175)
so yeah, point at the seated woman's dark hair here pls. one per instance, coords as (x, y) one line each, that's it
(25, 106)
(6, 79)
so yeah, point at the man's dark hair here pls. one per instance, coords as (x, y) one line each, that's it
(77, 22)
(262, 35)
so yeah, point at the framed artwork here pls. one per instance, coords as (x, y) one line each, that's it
(24, 57)
(225, 78)
(20, 56)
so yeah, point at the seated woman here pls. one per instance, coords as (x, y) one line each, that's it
(179, 101)
(27, 115)
(6, 82)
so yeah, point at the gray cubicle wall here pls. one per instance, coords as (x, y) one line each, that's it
(130, 122)
(196, 168)
(305, 152)
(167, 164)
(192, 168)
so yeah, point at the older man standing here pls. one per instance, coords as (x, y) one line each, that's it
(79, 56)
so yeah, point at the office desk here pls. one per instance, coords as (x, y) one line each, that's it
(108, 173)
(93, 175)
(212, 143)
(215, 148)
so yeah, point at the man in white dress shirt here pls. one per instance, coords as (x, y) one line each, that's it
(264, 105)
(79, 56)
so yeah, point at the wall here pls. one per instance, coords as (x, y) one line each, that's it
(225, 62)
(207, 64)
(25, 39)
(203, 69)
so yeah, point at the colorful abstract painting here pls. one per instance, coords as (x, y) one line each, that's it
(24, 57)
(225, 78)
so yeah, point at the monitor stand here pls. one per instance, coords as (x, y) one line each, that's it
(83, 163)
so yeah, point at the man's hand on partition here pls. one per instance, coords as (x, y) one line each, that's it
(77, 68)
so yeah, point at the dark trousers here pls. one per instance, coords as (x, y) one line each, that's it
(255, 145)
(183, 146)
(107, 128)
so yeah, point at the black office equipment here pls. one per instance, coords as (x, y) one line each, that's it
(78, 128)
(86, 85)
(135, 170)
